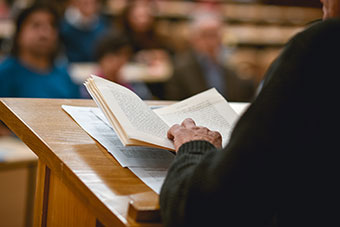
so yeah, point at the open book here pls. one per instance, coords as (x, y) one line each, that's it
(136, 124)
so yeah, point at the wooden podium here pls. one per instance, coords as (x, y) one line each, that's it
(78, 182)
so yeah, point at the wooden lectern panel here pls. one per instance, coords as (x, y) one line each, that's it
(73, 167)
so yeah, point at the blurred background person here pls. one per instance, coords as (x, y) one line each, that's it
(30, 70)
(80, 28)
(112, 52)
(137, 22)
(205, 66)
(4, 9)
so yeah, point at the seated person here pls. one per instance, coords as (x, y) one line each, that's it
(282, 160)
(81, 27)
(202, 67)
(4, 9)
(112, 52)
(137, 22)
(30, 70)
(149, 48)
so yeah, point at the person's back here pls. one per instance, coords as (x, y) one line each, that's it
(302, 127)
(281, 165)
(316, 82)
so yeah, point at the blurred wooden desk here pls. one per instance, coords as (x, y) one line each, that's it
(18, 167)
(78, 182)
(131, 72)
(7, 28)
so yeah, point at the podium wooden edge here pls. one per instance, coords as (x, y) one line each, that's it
(144, 207)
(51, 162)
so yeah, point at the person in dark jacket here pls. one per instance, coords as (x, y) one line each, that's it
(205, 65)
(281, 165)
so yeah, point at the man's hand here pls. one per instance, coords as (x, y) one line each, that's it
(188, 131)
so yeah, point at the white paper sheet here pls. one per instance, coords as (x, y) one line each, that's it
(148, 164)
(240, 107)
(92, 120)
(152, 177)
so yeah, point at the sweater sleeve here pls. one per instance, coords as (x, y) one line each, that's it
(236, 185)
(188, 156)
(206, 186)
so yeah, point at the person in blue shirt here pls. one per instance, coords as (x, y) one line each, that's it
(20, 80)
(30, 70)
(80, 29)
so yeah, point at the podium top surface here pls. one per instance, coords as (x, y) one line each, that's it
(83, 164)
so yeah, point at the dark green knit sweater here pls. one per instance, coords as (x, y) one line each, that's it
(281, 165)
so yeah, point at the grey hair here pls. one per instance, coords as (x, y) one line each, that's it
(199, 18)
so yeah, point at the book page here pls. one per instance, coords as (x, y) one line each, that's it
(208, 109)
(93, 121)
(129, 113)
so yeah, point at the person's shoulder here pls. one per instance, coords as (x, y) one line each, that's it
(320, 30)
(8, 64)
(332, 23)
